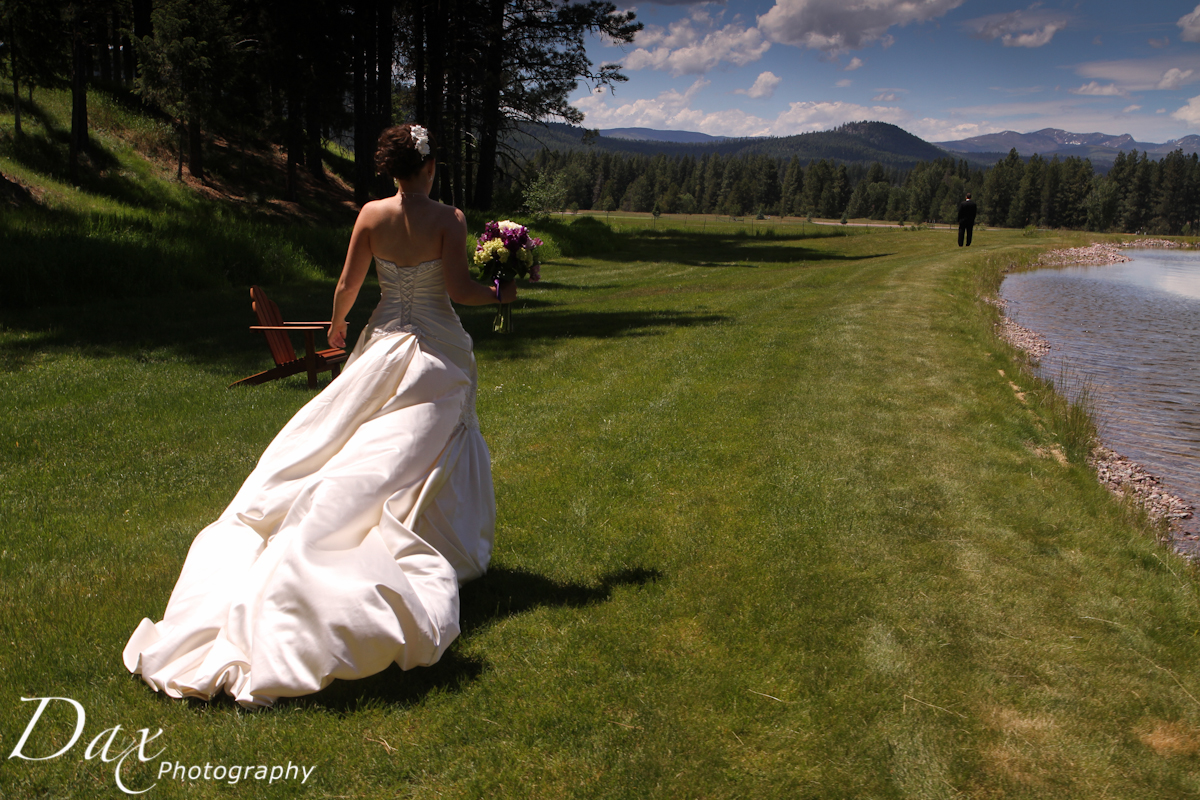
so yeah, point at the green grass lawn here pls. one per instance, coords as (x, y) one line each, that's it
(772, 523)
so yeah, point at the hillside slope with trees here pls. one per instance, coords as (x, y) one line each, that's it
(303, 72)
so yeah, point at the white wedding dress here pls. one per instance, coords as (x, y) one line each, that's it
(344, 549)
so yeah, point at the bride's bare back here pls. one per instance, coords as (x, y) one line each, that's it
(409, 229)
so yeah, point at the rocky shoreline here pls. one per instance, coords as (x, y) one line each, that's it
(1121, 476)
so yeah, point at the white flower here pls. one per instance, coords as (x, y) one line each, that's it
(421, 138)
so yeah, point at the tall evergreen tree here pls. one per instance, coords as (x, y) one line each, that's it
(1000, 188)
(185, 64)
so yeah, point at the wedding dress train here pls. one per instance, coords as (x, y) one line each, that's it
(344, 549)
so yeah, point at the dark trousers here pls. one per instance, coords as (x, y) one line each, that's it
(967, 230)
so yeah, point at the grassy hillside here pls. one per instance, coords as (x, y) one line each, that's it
(130, 229)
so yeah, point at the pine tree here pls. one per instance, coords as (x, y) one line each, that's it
(1027, 202)
(793, 182)
(1000, 188)
(183, 66)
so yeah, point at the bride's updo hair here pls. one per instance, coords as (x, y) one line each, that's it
(399, 153)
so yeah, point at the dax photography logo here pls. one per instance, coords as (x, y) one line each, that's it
(113, 747)
(101, 745)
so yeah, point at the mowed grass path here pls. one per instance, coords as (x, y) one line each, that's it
(771, 524)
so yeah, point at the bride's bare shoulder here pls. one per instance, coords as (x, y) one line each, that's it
(373, 211)
(450, 217)
(449, 213)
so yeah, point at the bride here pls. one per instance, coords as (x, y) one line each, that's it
(344, 549)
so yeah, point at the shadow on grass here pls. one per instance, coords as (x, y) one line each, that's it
(502, 593)
(209, 329)
(546, 325)
(574, 287)
(45, 148)
(58, 256)
(729, 250)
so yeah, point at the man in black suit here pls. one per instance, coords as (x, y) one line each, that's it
(966, 220)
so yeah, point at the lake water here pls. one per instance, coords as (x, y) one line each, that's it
(1133, 331)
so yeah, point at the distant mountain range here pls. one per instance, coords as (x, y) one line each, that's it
(1050, 142)
(651, 135)
(854, 142)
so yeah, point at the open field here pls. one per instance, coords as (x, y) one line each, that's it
(747, 225)
(772, 524)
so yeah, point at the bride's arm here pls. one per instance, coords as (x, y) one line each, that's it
(459, 285)
(358, 261)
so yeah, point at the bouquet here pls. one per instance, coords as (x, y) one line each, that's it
(504, 252)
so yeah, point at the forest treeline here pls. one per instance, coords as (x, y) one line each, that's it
(1137, 194)
(299, 73)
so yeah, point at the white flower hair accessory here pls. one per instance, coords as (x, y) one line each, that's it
(420, 139)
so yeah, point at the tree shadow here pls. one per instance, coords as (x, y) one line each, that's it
(208, 328)
(574, 287)
(726, 250)
(548, 324)
(45, 149)
(503, 592)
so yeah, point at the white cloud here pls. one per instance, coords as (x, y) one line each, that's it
(764, 86)
(1159, 44)
(1189, 114)
(809, 116)
(1018, 89)
(843, 83)
(885, 97)
(855, 63)
(673, 110)
(1094, 89)
(1173, 78)
(1029, 28)
(840, 25)
(1190, 23)
(1033, 39)
(694, 45)
(1141, 75)
(1130, 109)
(940, 130)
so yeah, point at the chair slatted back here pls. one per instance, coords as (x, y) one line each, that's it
(268, 314)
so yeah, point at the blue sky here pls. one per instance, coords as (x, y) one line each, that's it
(941, 69)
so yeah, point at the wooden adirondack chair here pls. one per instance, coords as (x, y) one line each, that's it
(271, 323)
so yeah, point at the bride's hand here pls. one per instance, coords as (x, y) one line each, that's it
(508, 291)
(337, 334)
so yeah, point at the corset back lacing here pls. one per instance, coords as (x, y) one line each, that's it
(397, 309)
